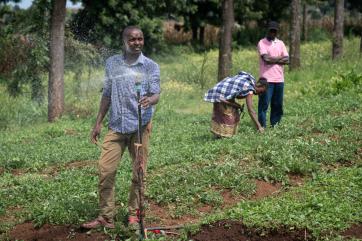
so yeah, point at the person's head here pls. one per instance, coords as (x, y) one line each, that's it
(132, 37)
(272, 30)
(261, 86)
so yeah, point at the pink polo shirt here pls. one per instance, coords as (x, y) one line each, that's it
(276, 48)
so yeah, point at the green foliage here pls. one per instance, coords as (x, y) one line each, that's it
(19, 111)
(66, 198)
(48, 145)
(24, 58)
(347, 81)
(199, 76)
(318, 34)
(152, 29)
(102, 22)
(246, 36)
(325, 205)
(79, 55)
(188, 169)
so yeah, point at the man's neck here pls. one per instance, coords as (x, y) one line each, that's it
(130, 58)
(271, 38)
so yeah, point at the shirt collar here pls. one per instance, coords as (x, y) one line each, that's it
(272, 41)
(140, 60)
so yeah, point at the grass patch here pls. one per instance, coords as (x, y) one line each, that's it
(326, 205)
(189, 169)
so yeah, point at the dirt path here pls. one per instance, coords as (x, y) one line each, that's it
(223, 230)
(355, 231)
(159, 215)
(27, 232)
(227, 230)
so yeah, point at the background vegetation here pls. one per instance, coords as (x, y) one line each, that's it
(48, 171)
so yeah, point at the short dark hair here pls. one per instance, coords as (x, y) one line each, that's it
(128, 29)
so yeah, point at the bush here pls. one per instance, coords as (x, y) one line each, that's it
(318, 34)
(345, 82)
(248, 36)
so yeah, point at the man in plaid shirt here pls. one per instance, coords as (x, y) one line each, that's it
(119, 95)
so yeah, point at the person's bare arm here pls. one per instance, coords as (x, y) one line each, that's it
(275, 60)
(284, 60)
(147, 101)
(236, 105)
(103, 108)
(252, 113)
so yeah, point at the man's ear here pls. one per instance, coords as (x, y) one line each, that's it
(124, 44)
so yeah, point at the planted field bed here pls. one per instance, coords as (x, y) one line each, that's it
(301, 180)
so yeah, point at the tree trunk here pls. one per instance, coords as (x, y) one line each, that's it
(202, 35)
(305, 23)
(337, 50)
(56, 71)
(194, 34)
(226, 39)
(295, 36)
(194, 24)
(360, 44)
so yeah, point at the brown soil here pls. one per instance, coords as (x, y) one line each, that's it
(160, 216)
(18, 171)
(264, 189)
(27, 232)
(235, 231)
(205, 209)
(10, 215)
(355, 231)
(296, 180)
(81, 164)
(54, 170)
(230, 199)
(156, 215)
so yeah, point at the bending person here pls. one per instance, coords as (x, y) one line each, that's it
(226, 112)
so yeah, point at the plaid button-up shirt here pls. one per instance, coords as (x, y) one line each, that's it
(230, 87)
(119, 86)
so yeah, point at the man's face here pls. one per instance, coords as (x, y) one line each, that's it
(260, 89)
(272, 33)
(134, 42)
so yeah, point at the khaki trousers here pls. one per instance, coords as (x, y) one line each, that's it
(113, 148)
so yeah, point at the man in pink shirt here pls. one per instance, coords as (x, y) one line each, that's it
(273, 55)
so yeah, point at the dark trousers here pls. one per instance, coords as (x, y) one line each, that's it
(274, 96)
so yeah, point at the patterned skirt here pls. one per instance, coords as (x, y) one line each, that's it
(225, 120)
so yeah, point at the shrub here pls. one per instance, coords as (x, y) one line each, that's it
(345, 82)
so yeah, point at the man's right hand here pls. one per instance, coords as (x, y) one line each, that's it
(95, 133)
(261, 130)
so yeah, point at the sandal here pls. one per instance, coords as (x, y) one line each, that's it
(98, 222)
